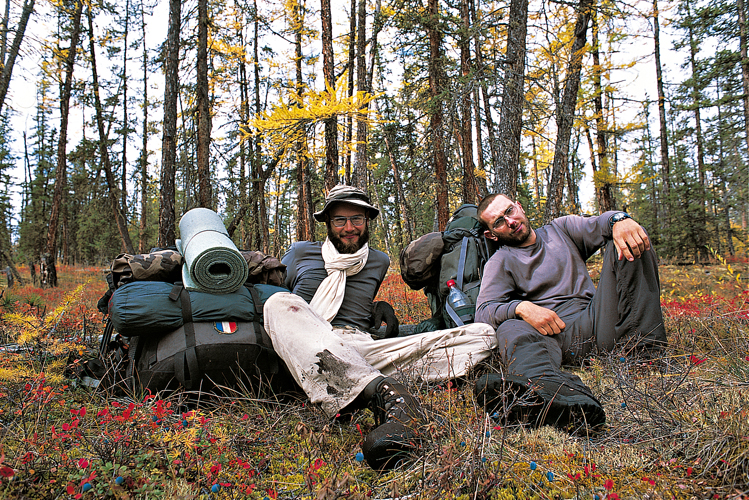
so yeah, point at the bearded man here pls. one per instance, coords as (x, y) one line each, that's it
(321, 331)
(537, 293)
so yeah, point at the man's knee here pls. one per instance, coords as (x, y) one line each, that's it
(521, 345)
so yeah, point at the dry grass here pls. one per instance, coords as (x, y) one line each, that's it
(677, 427)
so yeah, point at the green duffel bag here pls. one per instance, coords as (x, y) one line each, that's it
(205, 355)
(153, 308)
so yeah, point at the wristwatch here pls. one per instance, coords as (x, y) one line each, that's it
(617, 217)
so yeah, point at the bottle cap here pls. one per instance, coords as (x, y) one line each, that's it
(450, 283)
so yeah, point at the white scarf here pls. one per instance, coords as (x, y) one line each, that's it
(329, 295)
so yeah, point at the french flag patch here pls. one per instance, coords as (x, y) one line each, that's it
(225, 327)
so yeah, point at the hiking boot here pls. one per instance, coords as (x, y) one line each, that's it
(557, 400)
(398, 416)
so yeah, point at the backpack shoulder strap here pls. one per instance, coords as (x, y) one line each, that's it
(462, 261)
(453, 315)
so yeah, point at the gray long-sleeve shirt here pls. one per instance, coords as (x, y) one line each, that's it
(550, 273)
(306, 270)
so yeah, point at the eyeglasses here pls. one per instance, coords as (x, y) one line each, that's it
(502, 220)
(356, 220)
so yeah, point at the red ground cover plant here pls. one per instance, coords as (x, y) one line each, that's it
(677, 427)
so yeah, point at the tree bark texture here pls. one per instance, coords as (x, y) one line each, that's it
(359, 174)
(351, 72)
(566, 114)
(205, 197)
(436, 82)
(511, 117)
(28, 8)
(143, 230)
(61, 170)
(304, 226)
(602, 180)
(126, 125)
(744, 65)
(665, 165)
(167, 216)
(118, 210)
(331, 124)
(470, 192)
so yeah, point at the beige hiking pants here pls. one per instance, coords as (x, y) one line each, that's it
(334, 365)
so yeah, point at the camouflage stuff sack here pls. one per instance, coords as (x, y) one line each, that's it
(264, 269)
(161, 265)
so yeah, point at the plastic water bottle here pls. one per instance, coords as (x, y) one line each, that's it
(461, 304)
(456, 298)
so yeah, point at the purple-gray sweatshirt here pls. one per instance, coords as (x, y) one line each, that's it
(550, 273)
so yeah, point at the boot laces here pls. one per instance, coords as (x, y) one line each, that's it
(386, 404)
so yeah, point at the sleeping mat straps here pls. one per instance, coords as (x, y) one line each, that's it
(186, 369)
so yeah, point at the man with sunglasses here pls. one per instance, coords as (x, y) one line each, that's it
(321, 331)
(537, 293)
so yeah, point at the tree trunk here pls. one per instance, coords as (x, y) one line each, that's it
(511, 117)
(125, 124)
(665, 168)
(470, 192)
(205, 198)
(331, 124)
(744, 65)
(436, 81)
(493, 148)
(602, 181)
(117, 210)
(536, 182)
(4, 34)
(261, 175)
(61, 171)
(401, 195)
(359, 174)
(566, 114)
(167, 216)
(28, 8)
(142, 234)
(697, 105)
(351, 63)
(304, 227)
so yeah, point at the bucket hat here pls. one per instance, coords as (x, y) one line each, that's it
(347, 194)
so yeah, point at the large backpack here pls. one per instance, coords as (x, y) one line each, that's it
(159, 336)
(201, 355)
(458, 253)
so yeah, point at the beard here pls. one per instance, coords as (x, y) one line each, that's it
(348, 248)
(515, 239)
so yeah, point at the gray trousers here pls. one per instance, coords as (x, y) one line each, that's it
(625, 309)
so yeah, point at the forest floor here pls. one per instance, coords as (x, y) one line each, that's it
(677, 427)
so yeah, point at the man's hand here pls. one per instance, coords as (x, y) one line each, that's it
(630, 239)
(382, 311)
(542, 319)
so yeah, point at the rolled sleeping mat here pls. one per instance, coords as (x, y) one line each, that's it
(212, 262)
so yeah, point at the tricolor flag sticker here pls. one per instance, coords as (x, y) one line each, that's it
(226, 327)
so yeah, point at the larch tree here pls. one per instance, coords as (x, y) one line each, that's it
(119, 206)
(205, 198)
(566, 113)
(511, 116)
(61, 168)
(331, 123)
(663, 124)
(8, 60)
(436, 88)
(167, 215)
